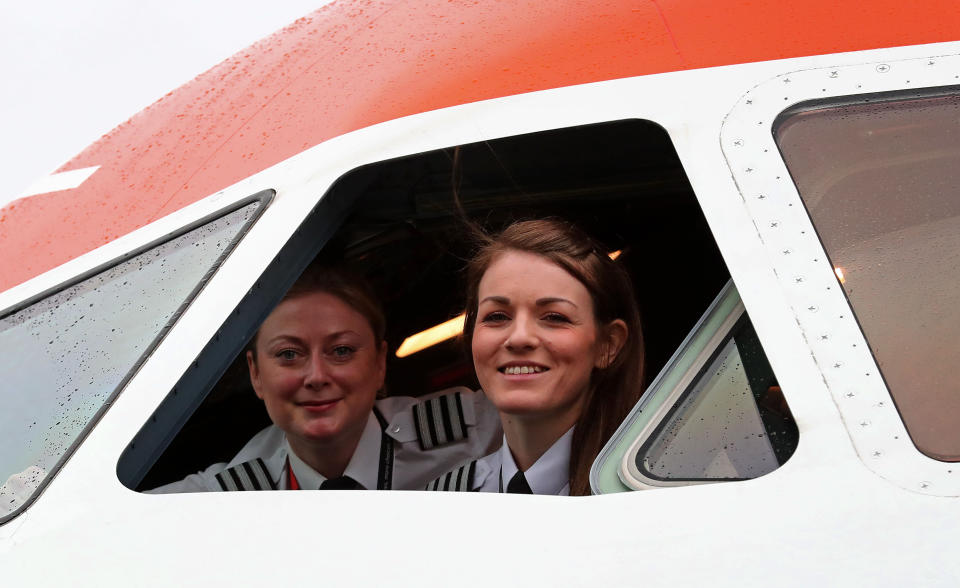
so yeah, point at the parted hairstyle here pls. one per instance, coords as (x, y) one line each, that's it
(613, 390)
(346, 285)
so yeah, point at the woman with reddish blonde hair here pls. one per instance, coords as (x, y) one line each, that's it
(318, 363)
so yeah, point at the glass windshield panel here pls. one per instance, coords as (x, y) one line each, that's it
(714, 413)
(880, 179)
(66, 355)
(731, 425)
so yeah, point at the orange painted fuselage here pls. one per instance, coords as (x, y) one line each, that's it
(354, 64)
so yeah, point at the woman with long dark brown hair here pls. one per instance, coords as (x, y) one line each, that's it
(554, 332)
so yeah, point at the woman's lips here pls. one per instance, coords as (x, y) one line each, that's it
(319, 405)
(514, 370)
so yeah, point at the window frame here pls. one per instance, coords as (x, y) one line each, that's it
(167, 419)
(315, 228)
(705, 341)
(802, 267)
(263, 197)
(876, 100)
(615, 468)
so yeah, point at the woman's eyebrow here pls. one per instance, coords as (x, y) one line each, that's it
(554, 299)
(343, 333)
(496, 299)
(283, 338)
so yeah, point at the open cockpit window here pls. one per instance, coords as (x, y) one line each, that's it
(400, 224)
(68, 352)
(715, 413)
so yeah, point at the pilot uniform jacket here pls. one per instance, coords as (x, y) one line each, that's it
(548, 475)
(427, 436)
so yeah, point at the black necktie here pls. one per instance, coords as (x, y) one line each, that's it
(341, 483)
(518, 484)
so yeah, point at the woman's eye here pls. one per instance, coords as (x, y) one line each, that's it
(342, 351)
(287, 354)
(495, 317)
(556, 317)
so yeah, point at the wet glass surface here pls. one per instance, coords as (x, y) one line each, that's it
(880, 182)
(65, 356)
(731, 424)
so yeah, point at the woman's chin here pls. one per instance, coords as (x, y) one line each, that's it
(320, 431)
(524, 408)
(536, 408)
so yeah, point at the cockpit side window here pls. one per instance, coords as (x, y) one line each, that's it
(715, 413)
(878, 175)
(67, 353)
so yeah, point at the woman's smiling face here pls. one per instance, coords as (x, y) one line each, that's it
(318, 368)
(536, 341)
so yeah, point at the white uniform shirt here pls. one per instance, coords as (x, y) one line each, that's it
(548, 475)
(363, 466)
(413, 467)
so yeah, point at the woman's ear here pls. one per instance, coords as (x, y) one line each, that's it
(615, 335)
(254, 373)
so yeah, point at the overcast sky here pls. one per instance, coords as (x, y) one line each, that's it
(72, 71)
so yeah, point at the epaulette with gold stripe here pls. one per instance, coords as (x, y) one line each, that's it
(439, 421)
(249, 475)
(456, 480)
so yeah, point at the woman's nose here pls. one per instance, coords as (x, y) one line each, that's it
(317, 372)
(522, 335)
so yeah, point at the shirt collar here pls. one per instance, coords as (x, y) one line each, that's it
(548, 475)
(508, 467)
(364, 466)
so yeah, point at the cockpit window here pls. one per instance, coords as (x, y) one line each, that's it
(398, 224)
(715, 413)
(878, 176)
(67, 354)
